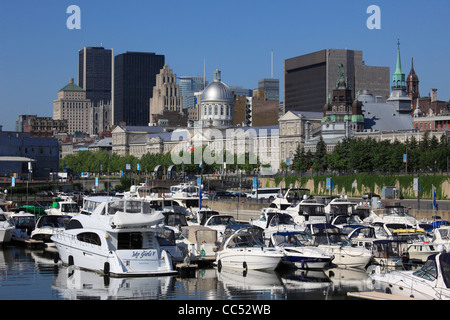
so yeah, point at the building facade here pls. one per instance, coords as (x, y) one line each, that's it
(18, 149)
(134, 79)
(73, 106)
(310, 78)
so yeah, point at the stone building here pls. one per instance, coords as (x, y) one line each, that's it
(166, 106)
(73, 106)
(216, 106)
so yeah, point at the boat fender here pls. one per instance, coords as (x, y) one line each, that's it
(244, 265)
(106, 268)
(56, 257)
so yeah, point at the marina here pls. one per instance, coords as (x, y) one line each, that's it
(130, 247)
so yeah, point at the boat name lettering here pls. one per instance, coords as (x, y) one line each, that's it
(143, 254)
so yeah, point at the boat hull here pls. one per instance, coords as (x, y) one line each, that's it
(249, 258)
(6, 234)
(349, 257)
(120, 263)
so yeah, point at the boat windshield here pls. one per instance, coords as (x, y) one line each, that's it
(281, 219)
(69, 207)
(291, 239)
(222, 221)
(331, 239)
(175, 219)
(26, 221)
(52, 222)
(128, 207)
(428, 271)
(246, 240)
(337, 209)
(166, 237)
(312, 210)
(396, 211)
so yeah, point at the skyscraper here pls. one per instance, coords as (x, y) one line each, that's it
(134, 79)
(189, 85)
(95, 73)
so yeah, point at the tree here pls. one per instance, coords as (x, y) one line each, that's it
(320, 161)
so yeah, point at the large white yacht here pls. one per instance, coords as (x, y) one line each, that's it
(115, 237)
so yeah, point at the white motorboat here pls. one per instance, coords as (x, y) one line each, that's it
(213, 220)
(24, 224)
(199, 243)
(431, 282)
(299, 250)
(307, 211)
(164, 199)
(392, 214)
(332, 239)
(339, 206)
(175, 221)
(63, 208)
(243, 248)
(441, 238)
(6, 229)
(272, 222)
(47, 226)
(115, 237)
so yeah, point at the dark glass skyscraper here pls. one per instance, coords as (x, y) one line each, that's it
(95, 73)
(134, 79)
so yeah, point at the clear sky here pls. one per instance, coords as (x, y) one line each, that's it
(38, 53)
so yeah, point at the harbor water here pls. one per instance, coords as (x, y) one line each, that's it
(31, 274)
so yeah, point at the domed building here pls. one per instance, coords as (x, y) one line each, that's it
(216, 106)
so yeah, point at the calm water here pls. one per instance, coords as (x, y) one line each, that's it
(32, 275)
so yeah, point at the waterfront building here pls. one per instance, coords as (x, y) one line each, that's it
(73, 106)
(95, 65)
(310, 78)
(134, 79)
(27, 157)
(166, 103)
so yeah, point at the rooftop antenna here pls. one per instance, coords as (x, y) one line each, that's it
(271, 64)
(204, 73)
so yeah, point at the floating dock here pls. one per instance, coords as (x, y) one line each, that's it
(375, 295)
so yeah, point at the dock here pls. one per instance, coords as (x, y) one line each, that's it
(375, 295)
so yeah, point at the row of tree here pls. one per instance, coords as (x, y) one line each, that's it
(369, 155)
(105, 162)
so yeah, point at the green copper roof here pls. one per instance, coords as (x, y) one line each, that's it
(399, 78)
(72, 87)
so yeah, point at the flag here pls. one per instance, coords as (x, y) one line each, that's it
(434, 196)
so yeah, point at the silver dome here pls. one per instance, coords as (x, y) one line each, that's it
(217, 90)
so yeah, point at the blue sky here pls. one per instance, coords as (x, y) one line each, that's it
(38, 53)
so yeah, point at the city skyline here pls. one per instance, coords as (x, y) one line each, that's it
(39, 53)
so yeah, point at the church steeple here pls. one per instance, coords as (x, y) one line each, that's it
(412, 83)
(398, 78)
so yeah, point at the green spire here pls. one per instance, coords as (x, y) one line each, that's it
(398, 79)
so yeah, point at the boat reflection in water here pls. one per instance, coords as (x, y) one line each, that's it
(76, 284)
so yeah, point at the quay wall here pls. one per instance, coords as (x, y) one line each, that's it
(358, 184)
